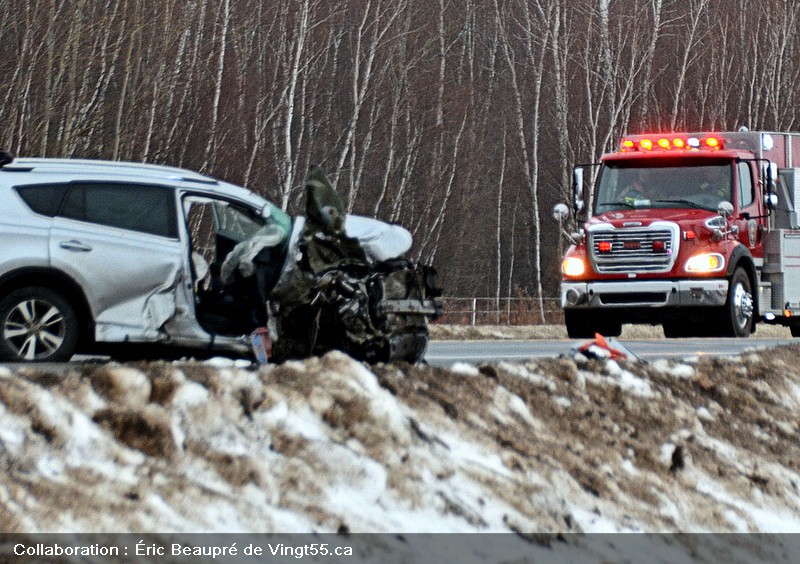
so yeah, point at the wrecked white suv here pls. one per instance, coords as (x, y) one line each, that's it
(100, 256)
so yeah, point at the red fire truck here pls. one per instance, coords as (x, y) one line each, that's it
(699, 232)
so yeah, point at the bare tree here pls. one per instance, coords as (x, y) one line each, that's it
(453, 118)
(691, 53)
(225, 17)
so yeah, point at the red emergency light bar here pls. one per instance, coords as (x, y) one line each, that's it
(680, 142)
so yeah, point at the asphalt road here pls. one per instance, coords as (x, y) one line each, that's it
(446, 353)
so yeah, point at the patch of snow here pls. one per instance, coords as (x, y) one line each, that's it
(189, 394)
(222, 362)
(665, 454)
(13, 432)
(684, 371)
(789, 428)
(519, 370)
(465, 369)
(130, 383)
(301, 422)
(50, 468)
(507, 404)
(636, 385)
(704, 414)
(564, 402)
(592, 521)
(519, 407)
(628, 381)
(662, 365)
(469, 453)
(738, 524)
(770, 518)
(722, 449)
(539, 380)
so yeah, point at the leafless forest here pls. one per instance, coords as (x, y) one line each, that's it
(458, 118)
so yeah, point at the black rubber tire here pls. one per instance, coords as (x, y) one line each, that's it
(795, 330)
(738, 316)
(584, 324)
(44, 326)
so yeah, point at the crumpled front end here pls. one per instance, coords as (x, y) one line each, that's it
(346, 286)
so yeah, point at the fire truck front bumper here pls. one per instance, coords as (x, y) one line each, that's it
(644, 294)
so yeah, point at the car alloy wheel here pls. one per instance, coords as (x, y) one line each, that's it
(37, 325)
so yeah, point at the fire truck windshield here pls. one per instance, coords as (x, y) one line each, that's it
(664, 183)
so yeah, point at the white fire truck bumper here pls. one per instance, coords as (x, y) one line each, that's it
(644, 293)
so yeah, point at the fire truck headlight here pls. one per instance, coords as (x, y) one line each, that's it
(706, 262)
(573, 266)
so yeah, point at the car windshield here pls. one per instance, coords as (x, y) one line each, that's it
(679, 183)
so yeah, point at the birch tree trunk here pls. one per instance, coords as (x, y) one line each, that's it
(211, 145)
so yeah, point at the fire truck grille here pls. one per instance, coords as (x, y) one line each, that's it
(634, 250)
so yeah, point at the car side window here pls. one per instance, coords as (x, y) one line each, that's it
(236, 223)
(746, 193)
(43, 199)
(142, 208)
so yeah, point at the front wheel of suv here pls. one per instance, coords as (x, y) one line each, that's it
(37, 325)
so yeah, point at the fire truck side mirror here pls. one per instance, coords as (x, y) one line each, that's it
(725, 209)
(577, 189)
(769, 172)
(771, 200)
(560, 213)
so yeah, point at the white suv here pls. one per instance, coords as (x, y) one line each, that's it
(109, 252)
(97, 254)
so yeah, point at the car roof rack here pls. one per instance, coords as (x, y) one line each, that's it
(197, 179)
(114, 167)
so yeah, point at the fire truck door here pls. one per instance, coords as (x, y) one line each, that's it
(749, 216)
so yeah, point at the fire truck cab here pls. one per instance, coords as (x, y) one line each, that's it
(699, 232)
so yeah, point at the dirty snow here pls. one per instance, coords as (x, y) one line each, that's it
(330, 444)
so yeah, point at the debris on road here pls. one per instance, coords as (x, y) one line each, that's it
(605, 348)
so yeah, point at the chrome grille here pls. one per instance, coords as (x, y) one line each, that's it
(634, 250)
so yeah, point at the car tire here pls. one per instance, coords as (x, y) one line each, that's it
(37, 325)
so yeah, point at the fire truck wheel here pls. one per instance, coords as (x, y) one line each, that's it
(584, 324)
(738, 314)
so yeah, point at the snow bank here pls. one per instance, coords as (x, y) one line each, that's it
(329, 444)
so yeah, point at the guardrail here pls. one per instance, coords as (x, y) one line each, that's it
(502, 311)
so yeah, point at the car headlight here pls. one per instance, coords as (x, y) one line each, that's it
(573, 266)
(706, 262)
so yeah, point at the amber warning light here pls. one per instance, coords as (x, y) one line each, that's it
(644, 143)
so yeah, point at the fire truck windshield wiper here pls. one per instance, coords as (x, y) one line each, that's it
(689, 203)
